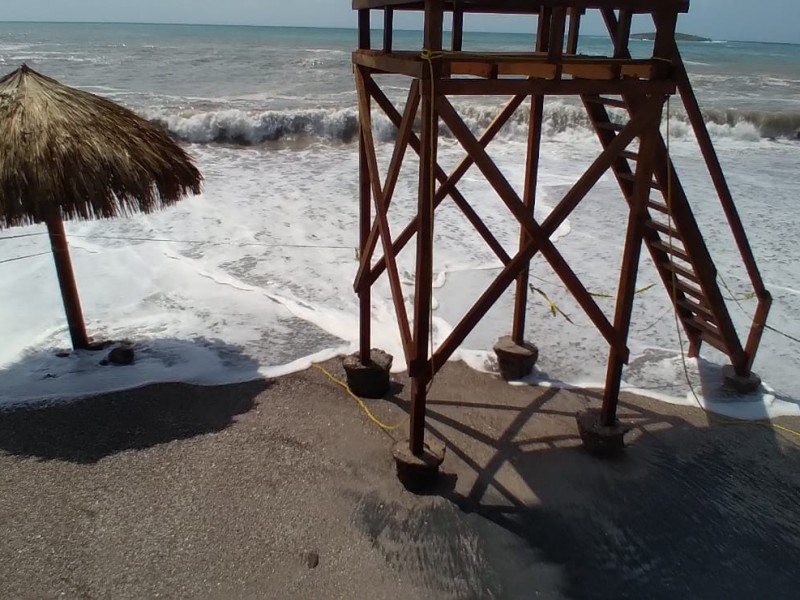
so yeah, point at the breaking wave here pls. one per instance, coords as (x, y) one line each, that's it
(248, 128)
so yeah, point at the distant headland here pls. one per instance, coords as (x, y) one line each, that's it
(680, 37)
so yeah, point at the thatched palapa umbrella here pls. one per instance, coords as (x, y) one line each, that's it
(66, 153)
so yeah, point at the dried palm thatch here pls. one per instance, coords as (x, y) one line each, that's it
(67, 149)
(65, 153)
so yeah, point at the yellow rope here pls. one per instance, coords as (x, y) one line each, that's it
(361, 403)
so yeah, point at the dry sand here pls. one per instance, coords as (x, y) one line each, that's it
(177, 491)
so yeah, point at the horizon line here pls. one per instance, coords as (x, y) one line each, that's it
(169, 24)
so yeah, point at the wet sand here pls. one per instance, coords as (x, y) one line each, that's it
(284, 489)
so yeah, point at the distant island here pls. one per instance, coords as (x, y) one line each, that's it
(680, 37)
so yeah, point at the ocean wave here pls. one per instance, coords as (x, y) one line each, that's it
(248, 128)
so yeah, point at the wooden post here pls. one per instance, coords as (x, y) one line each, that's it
(365, 218)
(574, 30)
(424, 278)
(648, 146)
(388, 29)
(529, 198)
(365, 212)
(364, 29)
(458, 29)
(66, 281)
(531, 180)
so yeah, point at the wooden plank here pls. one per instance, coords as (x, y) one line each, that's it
(544, 87)
(388, 63)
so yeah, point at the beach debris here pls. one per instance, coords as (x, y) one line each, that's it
(69, 154)
(369, 380)
(515, 361)
(312, 559)
(120, 355)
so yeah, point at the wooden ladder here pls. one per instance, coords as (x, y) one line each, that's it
(674, 240)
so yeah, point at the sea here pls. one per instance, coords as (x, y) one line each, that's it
(254, 277)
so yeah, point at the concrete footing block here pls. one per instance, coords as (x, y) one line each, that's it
(515, 361)
(370, 380)
(418, 472)
(739, 384)
(598, 439)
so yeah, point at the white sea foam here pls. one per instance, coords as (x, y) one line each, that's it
(257, 279)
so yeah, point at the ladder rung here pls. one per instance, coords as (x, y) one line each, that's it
(709, 333)
(629, 155)
(662, 208)
(672, 250)
(632, 177)
(696, 309)
(715, 341)
(666, 230)
(607, 101)
(679, 270)
(689, 289)
(609, 125)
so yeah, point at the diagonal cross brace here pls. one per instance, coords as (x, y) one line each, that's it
(405, 130)
(380, 209)
(367, 277)
(548, 227)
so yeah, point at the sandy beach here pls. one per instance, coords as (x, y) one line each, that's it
(285, 489)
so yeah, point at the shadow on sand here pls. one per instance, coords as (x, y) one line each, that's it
(88, 429)
(692, 510)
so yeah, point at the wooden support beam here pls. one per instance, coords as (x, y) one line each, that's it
(630, 262)
(555, 47)
(388, 29)
(515, 205)
(550, 225)
(623, 34)
(423, 293)
(364, 253)
(448, 187)
(458, 29)
(543, 87)
(380, 213)
(364, 29)
(404, 133)
(529, 199)
(574, 30)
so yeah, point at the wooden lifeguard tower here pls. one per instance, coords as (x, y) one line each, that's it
(660, 215)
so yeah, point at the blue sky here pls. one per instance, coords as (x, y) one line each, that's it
(762, 20)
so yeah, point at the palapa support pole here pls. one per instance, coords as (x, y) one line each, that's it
(66, 281)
